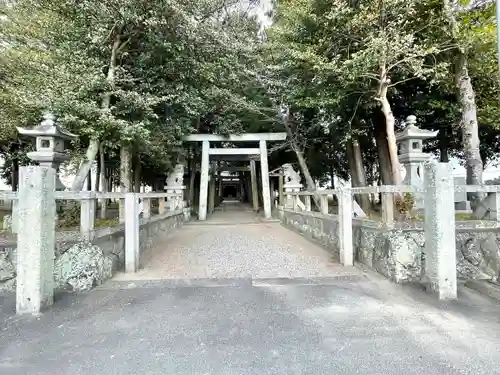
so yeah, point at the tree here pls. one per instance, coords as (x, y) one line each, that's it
(137, 75)
(461, 35)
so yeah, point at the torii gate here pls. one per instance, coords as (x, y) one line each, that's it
(233, 154)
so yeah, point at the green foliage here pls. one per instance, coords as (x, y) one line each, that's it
(187, 66)
(326, 57)
(405, 206)
(137, 73)
(69, 215)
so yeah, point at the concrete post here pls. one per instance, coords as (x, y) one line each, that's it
(265, 179)
(202, 209)
(440, 257)
(161, 205)
(307, 202)
(323, 202)
(87, 217)
(253, 176)
(146, 208)
(344, 198)
(387, 208)
(132, 232)
(295, 207)
(121, 211)
(15, 216)
(36, 239)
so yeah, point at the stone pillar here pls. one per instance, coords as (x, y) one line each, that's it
(36, 239)
(344, 198)
(440, 273)
(202, 208)
(255, 193)
(132, 232)
(146, 208)
(281, 190)
(265, 179)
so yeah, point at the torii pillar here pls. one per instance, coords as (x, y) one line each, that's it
(266, 197)
(261, 151)
(202, 208)
(253, 177)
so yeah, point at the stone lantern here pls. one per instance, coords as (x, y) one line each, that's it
(411, 155)
(175, 184)
(50, 147)
(291, 184)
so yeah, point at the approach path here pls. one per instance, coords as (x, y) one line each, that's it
(236, 243)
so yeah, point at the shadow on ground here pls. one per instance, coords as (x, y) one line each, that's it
(239, 326)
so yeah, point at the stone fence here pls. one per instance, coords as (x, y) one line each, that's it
(407, 251)
(40, 259)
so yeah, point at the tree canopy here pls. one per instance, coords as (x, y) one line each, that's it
(132, 77)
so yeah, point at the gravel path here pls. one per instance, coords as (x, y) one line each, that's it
(263, 250)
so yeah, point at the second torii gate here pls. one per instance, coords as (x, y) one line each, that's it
(230, 153)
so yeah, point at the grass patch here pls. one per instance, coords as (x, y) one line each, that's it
(103, 223)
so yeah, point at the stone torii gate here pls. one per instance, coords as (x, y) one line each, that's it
(229, 153)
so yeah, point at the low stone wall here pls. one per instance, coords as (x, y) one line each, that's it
(100, 257)
(478, 253)
(395, 253)
(398, 253)
(315, 226)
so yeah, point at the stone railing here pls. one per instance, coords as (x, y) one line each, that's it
(40, 259)
(405, 250)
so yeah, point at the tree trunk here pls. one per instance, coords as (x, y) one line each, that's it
(332, 177)
(137, 174)
(86, 165)
(466, 97)
(300, 156)
(98, 175)
(89, 180)
(104, 183)
(389, 130)
(443, 154)
(383, 153)
(192, 176)
(469, 127)
(358, 175)
(93, 147)
(125, 170)
(111, 181)
(125, 176)
(15, 174)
